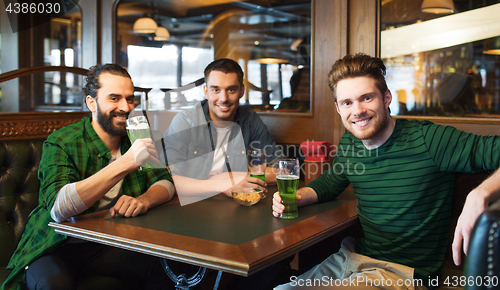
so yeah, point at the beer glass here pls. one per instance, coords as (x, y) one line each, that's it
(287, 177)
(257, 163)
(138, 128)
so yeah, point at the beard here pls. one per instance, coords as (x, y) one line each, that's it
(381, 122)
(106, 122)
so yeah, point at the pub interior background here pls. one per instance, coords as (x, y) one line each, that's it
(443, 65)
(449, 74)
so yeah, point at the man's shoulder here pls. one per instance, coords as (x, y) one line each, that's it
(196, 110)
(413, 122)
(413, 125)
(69, 132)
(193, 115)
(247, 114)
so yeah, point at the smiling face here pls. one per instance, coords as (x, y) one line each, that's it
(223, 92)
(364, 110)
(113, 104)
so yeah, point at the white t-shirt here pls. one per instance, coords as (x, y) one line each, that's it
(220, 150)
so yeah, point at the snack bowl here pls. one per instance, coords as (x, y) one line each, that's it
(246, 196)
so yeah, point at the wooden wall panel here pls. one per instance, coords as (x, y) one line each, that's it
(329, 42)
(338, 27)
(331, 39)
(108, 31)
(90, 33)
(363, 23)
(35, 125)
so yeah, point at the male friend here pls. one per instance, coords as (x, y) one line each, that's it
(206, 145)
(85, 167)
(405, 189)
(206, 149)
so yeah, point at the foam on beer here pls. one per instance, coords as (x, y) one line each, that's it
(140, 126)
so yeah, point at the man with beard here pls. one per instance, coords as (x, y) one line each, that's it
(402, 173)
(85, 167)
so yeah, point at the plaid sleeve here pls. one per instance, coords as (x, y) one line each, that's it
(56, 170)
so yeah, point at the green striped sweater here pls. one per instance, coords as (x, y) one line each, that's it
(405, 187)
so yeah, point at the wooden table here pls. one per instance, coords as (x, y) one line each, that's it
(217, 233)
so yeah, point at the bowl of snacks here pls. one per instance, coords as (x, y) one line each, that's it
(246, 196)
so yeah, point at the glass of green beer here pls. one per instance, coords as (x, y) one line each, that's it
(287, 177)
(138, 128)
(257, 164)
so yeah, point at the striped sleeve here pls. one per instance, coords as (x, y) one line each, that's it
(466, 153)
(331, 183)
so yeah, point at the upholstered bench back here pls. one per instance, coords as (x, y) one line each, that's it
(19, 186)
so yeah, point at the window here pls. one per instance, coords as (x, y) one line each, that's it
(32, 40)
(439, 64)
(62, 47)
(271, 42)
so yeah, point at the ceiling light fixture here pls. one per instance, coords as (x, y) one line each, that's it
(268, 55)
(438, 6)
(145, 25)
(492, 46)
(162, 34)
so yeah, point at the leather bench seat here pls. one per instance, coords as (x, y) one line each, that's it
(19, 186)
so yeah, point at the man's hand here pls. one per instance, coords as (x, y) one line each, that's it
(141, 151)
(128, 206)
(305, 196)
(474, 206)
(244, 180)
(252, 182)
(278, 207)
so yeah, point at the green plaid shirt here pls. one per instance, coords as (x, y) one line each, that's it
(70, 154)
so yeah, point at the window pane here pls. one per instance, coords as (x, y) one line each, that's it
(269, 41)
(437, 64)
(194, 61)
(62, 47)
(39, 40)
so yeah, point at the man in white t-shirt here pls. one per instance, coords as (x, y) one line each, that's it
(206, 146)
(206, 150)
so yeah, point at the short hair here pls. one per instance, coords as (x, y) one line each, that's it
(358, 65)
(92, 84)
(224, 65)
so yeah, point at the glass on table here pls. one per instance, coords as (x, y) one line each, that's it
(287, 178)
(257, 164)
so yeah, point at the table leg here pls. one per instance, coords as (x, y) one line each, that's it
(181, 281)
(217, 281)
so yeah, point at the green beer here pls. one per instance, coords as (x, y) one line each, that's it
(259, 175)
(141, 133)
(287, 186)
(134, 134)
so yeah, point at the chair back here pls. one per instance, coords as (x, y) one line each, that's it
(482, 266)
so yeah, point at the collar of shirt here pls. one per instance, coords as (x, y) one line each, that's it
(97, 144)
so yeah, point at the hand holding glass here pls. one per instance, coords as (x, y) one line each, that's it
(288, 173)
(138, 128)
(257, 163)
